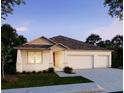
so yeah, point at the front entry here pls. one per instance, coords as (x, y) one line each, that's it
(54, 64)
(58, 59)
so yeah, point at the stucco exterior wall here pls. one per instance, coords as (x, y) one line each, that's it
(23, 65)
(61, 59)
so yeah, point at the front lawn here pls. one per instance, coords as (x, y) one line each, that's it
(42, 79)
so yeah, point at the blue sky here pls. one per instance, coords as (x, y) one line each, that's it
(72, 18)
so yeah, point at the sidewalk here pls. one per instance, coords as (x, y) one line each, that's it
(63, 74)
(68, 88)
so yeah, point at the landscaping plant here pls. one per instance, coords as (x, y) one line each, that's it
(68, 70)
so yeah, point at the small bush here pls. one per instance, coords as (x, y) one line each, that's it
(51, 70)
(68, 70)
(44, 71)
(33, 72)
(28, 72)
(23, 72)
(39, 72)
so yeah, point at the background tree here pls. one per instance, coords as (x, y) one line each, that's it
(105, 44)
(93, 39)
(9, 39)
(115, 8)
(117, 54)
(20, 40)
(7, 6)
(118, 41)
(108, 44)
(116, 44)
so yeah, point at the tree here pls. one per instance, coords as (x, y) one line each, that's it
(20, 40)
(9, 39)
(105, 44)
(115, 8)
(93, 39)
(8, 35)
(101, 44)
(108, 44)
(118, 41)
(117, 54)
(7, 6)
(5, 55)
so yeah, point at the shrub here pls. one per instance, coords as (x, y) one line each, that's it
(50, 70)
(44, 71)
(23, 72)
(39, 72)
(33, 72)
(68, 70)
(28, 72)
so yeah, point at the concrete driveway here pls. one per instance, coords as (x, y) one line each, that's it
(110, 79)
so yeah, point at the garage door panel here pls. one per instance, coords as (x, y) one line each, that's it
(80, 61)
(102, 61)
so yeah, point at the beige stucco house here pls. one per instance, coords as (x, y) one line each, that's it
(59, 52)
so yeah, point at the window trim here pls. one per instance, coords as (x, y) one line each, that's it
(34, 60)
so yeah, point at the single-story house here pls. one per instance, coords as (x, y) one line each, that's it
(59, 52)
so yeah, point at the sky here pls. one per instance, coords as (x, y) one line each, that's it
(72, 18)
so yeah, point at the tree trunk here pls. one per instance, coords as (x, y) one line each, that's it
(3, 76)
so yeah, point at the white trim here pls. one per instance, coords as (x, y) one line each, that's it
(88, 50)
(35, 60)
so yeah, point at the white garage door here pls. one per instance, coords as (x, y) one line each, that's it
(80, 61)
(101, 62)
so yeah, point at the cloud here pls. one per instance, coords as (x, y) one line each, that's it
(22, 28)
(109, 31)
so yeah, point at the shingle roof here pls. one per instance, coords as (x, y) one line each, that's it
(75, 44)
(66, 42)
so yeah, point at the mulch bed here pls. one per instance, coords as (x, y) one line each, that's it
(9, 78)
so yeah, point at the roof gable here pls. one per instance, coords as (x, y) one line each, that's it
(58, 47)
(40, 41)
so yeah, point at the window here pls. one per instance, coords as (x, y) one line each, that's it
(34, 57)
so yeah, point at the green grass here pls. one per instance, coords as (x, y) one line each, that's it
(43, 79)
